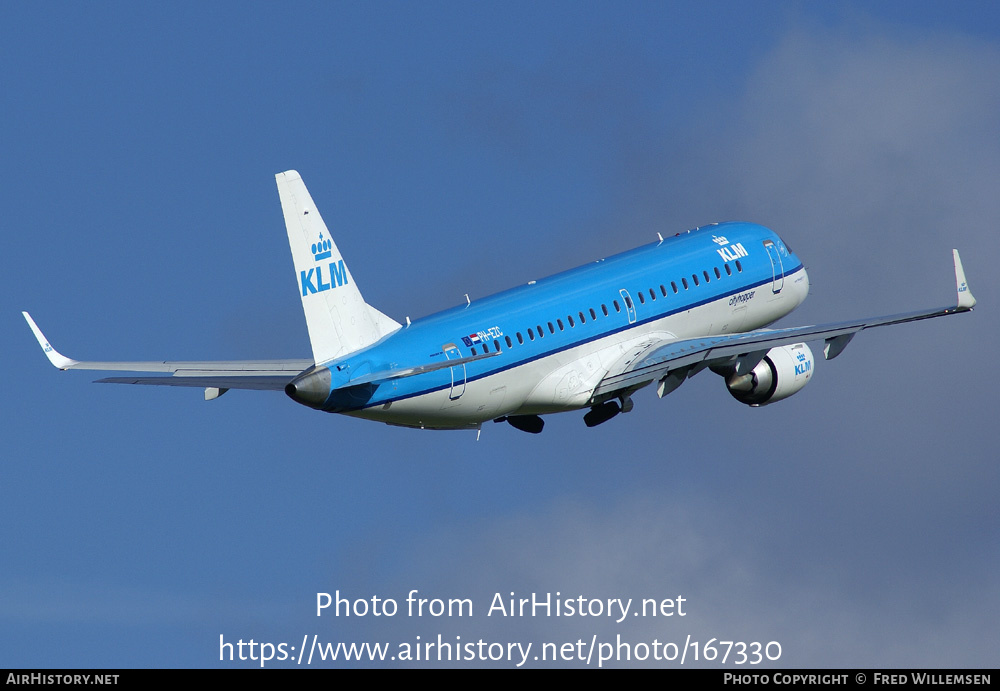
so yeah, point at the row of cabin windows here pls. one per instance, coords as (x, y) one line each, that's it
(539, 332)
(604, 309)
(686, 285)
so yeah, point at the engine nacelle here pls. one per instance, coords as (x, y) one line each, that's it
(782, 372)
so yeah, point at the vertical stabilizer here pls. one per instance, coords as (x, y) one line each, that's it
(338, 318)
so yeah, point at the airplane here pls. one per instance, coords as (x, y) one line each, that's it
(584, 339)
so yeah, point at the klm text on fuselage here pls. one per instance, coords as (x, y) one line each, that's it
(733, 252)
(337, 276)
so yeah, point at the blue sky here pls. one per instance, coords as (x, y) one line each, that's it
(463, 148)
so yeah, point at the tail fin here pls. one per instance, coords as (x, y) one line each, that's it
(338, 318)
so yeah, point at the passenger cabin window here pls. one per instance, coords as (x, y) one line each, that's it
(729, 272)
(509, 343)
(663, 290)
(739, 267)
(520, 338)
(593, 314)
(642, 300)
(684, 282)
(617, 308)
(560, 324)
(583, 319)
(473, 350)
(604, 308)
(628, 303)
(705, 274)
(695, 278)
(552, 329)
(531, 335)
(496, 345)
(570, 318)
(716, 270)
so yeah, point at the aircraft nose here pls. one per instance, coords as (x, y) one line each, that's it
(311, 388)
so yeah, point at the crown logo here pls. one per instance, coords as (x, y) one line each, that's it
(321, 249)
(720, 240)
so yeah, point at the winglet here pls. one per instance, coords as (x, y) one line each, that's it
(54, 356)
(965, 299)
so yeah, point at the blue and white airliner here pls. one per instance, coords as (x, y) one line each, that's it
(585, 339)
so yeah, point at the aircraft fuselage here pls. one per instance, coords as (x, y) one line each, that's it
(555, 339)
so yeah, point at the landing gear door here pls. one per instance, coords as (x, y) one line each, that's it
(777, 268)
(452, 352)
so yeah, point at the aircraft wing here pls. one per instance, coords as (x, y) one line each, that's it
(232, 374)
(747, 349)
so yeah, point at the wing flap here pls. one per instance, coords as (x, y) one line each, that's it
(253, 383)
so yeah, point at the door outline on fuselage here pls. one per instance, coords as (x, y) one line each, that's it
(458, 374)
(777, 267)
(629, 305)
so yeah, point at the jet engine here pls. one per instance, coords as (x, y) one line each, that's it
(782, 372)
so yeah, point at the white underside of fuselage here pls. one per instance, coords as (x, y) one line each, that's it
(566, 380)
